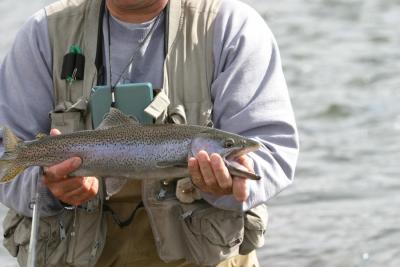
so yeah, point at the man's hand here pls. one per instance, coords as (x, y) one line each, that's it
(70, 190)
(210, 174)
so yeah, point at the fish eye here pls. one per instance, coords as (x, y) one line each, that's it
(229, 143)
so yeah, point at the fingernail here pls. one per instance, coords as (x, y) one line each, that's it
(54, 131)
(191, 162)
(203, 156)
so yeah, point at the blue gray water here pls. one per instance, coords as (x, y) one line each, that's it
(342, 63)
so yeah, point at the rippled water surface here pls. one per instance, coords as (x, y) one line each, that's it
(342, 64)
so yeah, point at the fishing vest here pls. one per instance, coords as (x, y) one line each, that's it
(197, 232)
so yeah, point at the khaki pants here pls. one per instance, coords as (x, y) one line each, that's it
(134, 245)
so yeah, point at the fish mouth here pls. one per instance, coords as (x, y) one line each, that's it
(246, 147)
(235, 168)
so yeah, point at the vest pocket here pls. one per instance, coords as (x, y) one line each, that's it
(17, 230)
(255, 224)
(197, 113)
(67, 122)
(212, 235)
(199, 232)
(59, 243)
(11, 221)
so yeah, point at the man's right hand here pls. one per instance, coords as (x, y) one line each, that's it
(71, 190)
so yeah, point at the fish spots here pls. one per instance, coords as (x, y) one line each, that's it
(127, 150)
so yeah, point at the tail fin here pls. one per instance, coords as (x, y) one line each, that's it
(9, 168)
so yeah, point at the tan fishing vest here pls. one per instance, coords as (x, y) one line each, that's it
(186, 88)
(196, 232)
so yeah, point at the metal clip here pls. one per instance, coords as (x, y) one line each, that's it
(167, 190)
(63, 235)
(94, 249)
(74, 74)
(186, 215)
(162, 194)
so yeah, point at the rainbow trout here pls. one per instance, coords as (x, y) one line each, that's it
(122, 148)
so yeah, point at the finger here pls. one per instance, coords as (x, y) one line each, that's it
(87, 189)
(221, 173)
(54, 132)
(206, 170)
(90, 189)
(76, 196)
(61, 170)
(62, 188)
(240, 189)
(73, 197)
(195, 173)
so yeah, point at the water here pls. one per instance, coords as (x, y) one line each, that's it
(342, 63)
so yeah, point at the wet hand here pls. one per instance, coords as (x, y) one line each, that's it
(210, 174)
(70, 190)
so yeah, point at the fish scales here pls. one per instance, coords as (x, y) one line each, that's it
(122, 148)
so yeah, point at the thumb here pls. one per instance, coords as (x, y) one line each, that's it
(54, 131)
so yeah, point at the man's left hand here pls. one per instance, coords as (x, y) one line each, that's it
(210, 174)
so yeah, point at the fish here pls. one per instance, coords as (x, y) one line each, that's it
(120, 148)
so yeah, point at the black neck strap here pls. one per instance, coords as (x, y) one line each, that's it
(99, 61)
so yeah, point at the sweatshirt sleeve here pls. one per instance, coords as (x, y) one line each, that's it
(26, 98)
(250, 97)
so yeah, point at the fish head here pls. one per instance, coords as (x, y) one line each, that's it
(228, 145)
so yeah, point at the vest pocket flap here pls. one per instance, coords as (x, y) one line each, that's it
(23, 231)
(198, 113)
(16, 240)
(223, 228)
(255, 224)
(257, 218)
(47, 230)
(10, 223)
(66, 122)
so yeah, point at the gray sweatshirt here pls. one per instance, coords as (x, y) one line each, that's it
(249, 95)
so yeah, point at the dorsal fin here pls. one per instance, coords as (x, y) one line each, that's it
(115, 118)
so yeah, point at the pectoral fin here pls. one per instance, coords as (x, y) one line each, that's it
(114, 185)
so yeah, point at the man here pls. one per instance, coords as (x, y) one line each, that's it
(243, 84)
